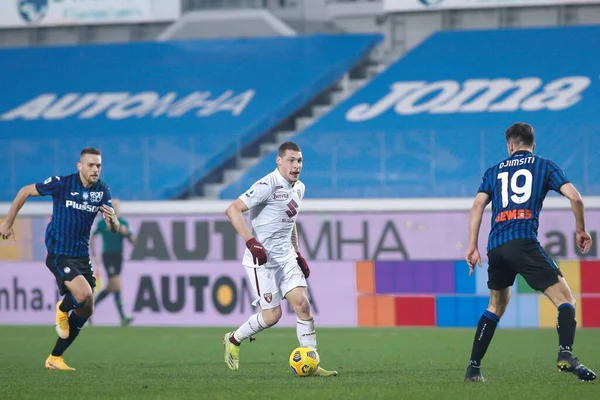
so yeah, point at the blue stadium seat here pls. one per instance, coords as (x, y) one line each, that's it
(434, 121)
(165, 114)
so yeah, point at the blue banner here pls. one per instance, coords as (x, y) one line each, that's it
(183, 107)
(434, 121)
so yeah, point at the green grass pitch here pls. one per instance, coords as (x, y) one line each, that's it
(374, 363)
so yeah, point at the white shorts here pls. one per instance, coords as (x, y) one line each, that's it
(270, 285)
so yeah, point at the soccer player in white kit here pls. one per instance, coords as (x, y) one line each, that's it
(272, 260)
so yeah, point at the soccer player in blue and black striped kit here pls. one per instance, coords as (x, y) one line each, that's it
(517, 187)
(77, 200)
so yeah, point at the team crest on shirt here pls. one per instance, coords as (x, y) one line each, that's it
(96, 197)
(299, 192)
(85, 196)
(268, 297)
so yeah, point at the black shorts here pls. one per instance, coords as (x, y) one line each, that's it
(65, 269)
(113, 262)
(525, 257)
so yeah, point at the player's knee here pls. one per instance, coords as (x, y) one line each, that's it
(272, 316)
(565, 298)
(302, 307)
(499, 301)
(82, 296)
(114, 285)
(560, 293)
(498, 309)
(569, 296)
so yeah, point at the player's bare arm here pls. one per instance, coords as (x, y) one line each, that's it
(584, 240)
(6, 228)
(295, 238)
(112, 222)
(235, 213)
(473, 256)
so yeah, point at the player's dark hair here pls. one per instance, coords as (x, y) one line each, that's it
(90, 150)
(521, 134)
(287, 146)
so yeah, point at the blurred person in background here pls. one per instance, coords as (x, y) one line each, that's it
(112, 258)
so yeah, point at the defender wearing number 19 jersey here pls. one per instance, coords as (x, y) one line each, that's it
(517, 188)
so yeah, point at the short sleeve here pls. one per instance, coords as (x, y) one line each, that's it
(50, 186)
(486, 184)
(556, 177)
(257, 194)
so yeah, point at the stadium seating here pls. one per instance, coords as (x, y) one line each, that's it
(432, 123)
(161, 112)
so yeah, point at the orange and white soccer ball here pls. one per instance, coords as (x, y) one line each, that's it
(304, 361)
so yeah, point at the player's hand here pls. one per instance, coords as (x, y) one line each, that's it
(473, 258)
(6, 231)
(303, 265)
(259, 255)
(108, 212)
(584, 241)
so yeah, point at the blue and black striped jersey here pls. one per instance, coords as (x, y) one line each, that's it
(74, 211)
(517, 187)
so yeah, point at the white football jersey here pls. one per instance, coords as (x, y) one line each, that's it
(273, 205)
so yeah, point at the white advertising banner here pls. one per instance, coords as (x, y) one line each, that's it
(29, 13)
(431, 5)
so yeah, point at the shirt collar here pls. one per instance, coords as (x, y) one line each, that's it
(81, 182)
(521, 152)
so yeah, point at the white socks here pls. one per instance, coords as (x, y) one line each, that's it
(255, 324)
(306, 333)
(305, 330)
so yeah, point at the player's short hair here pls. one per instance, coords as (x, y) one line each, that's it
(90, 150)
(287, 146)
(521, 134)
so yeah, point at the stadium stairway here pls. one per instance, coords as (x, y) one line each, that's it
(372, 65)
